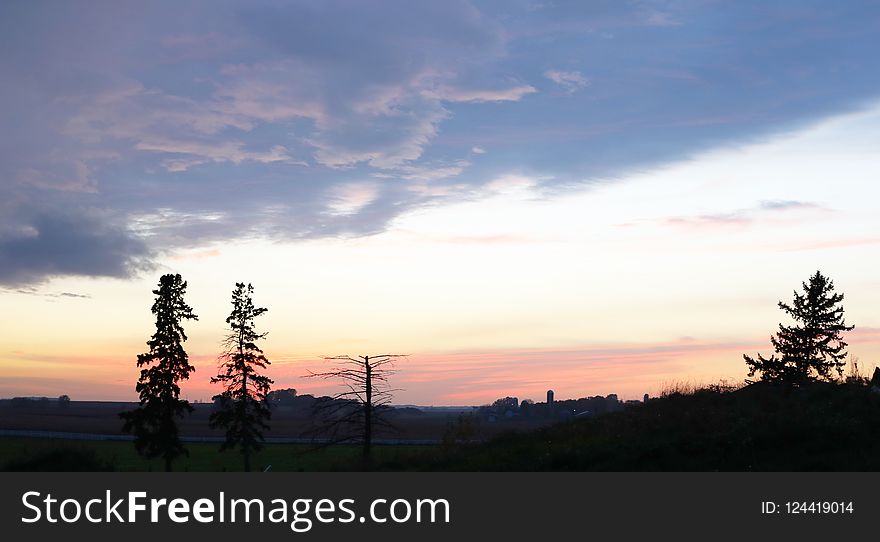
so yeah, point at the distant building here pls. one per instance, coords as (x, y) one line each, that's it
(549, 397)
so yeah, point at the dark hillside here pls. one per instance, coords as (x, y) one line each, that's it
(824, 427)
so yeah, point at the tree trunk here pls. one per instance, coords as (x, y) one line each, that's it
(245, 445)
(368, 413)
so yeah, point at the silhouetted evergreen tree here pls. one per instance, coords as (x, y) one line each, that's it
(154, 422)
(813, 348)
(244, 409)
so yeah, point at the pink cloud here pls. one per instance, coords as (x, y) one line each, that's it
(570, 81)
(830, 244)
(452, 94)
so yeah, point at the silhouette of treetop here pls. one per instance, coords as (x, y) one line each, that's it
(813, 348)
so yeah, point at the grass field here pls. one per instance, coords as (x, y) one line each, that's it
(121, 456)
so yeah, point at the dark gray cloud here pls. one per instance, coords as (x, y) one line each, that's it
(31, 290)
(69, 245)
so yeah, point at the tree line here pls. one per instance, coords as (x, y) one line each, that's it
(242, 407)
(811, 349)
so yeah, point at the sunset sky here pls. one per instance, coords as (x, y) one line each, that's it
(595, 196)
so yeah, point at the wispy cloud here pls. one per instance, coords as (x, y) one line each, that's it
(451, 94)
(743, 217)
(51, 295)
(701, 221)
(351, 198)
(73, 176)
(785, 205)
(571, 81)
(192, 153)
(652, 17)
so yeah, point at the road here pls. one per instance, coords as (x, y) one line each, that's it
(63, 435)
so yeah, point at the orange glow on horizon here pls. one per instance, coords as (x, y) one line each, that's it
(454, 378)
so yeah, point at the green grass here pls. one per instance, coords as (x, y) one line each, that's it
(122, 456)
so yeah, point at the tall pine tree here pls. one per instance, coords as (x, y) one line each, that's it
(154, 422)
(813, 348)
(244, 409)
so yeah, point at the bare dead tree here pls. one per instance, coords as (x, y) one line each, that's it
(352, 415)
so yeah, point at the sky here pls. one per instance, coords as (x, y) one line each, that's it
(592, 197)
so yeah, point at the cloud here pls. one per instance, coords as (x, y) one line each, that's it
(383, 125)
(196, 255)
(699, 222)
(198, 46)
(73, 295)
(29, 290)
(742, 217)
(486, 240)
(382, 142)
(272, 92)
(571, 82)
(194, 153)
(660, 18)
(74, 176)
(176, 128)
(216, 116)
(51, 246)
(426, 172)
(449, 94)
(130, 111)
(785, 205)
(828, 244)
(351, 198)
(512, 184)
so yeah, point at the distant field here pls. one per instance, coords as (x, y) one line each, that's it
(102, 418)
(761, 427)
(207, 457)
(38, 452)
